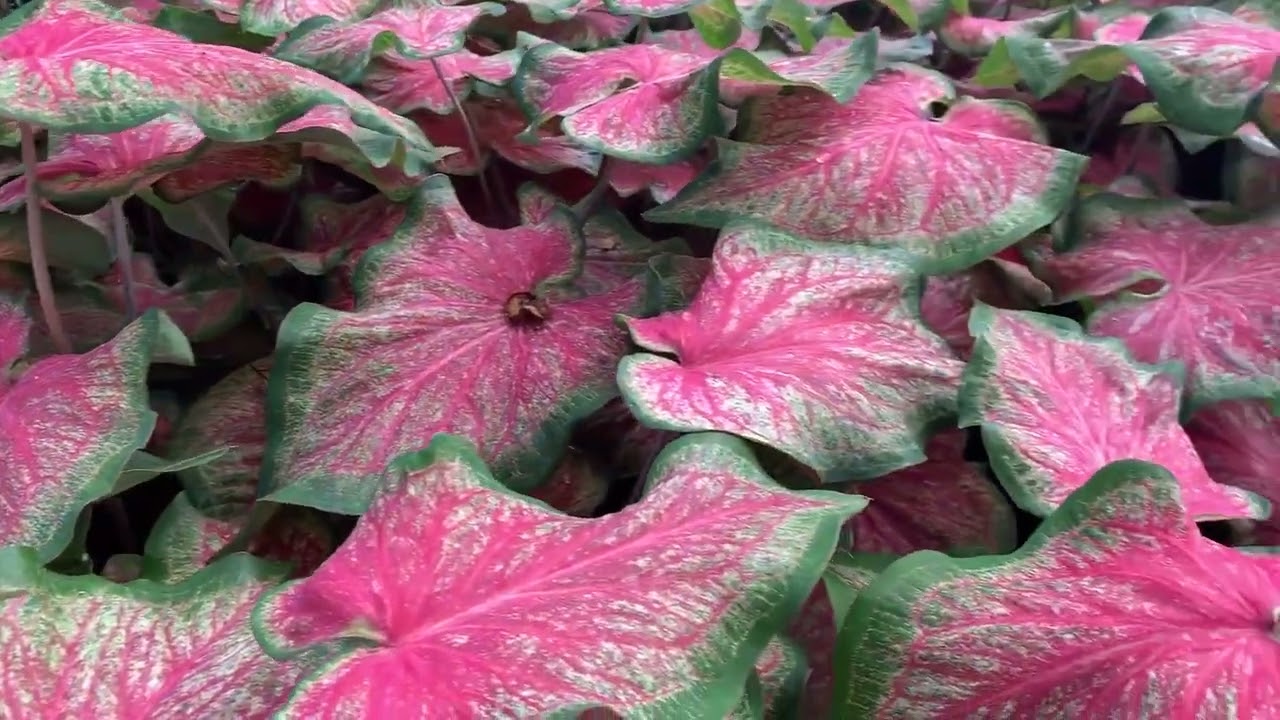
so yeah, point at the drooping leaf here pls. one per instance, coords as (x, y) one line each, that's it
(751, 13)
(404, 85)
(185, 540)
(781, 669)
(813, 349)
(132, 73)
(343, 50)
(839, 68)
(919, 15)
(453, 323)
(975, 36)
(1173, 287)
(879, 170)
(72, 423)
(1046, 65)
(1056, 405)
(1239, 441)
(142, 649)
(590, 594)
(1205, 67)
(499, 127)
(69, 241)
(1115, 607)
(273, 17)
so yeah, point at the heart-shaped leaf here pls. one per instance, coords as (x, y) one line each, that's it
(588, 593)
(132, 73)
(72, 422)
(1174, 287)
(1056, 405)
(1116, 606)
(405, 85)
(813, 349)
(457, 328)
(190, 652)
(880, 170)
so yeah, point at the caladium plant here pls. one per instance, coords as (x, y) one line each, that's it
(663, 359)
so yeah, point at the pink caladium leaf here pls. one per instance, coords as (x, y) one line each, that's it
(404, 85)
(451, 321)
(780, 671)
(1115, 606)
(273, 17)
(185, 540)
(88, 170)
(636, 102)
(499, 127)
(947, 299)
(840, 69)
(1045, 66)
(585, 590)
(661, 181)
(1174, 287)
(1239, 441)
(1206, 68)
(576, 487)
(583, 26)
(276, 166)
(944, 503)
(812, 349)
(1055, 405)
(951, 191)
(416, 32)
(232, 95)
(191, 652)
(73, 421)
(975, 36)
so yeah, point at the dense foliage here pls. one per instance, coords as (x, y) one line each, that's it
(641, 358)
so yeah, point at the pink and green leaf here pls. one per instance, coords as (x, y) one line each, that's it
(273, 17)
(1175, 288)
(1239, 441)
(500, 128)
(70, 242)
(135, 73)
(975, 36)
(947, 299)
(151, 650)
(453, 323)
(880, 170)
(812, 349)
(343, 50)
(73, 423)
(585, 590)
(1115, 606)
(404, 85)
(1056, 405)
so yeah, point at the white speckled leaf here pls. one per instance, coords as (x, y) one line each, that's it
(813, 349)
(1239, 441)
(457, 328)
(880, 170)
(1056, 405)
(659, 610)
(71, 422)
(85, 647)
(1116, 607)
(1173, 287)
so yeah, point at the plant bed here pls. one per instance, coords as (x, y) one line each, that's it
(655, 359)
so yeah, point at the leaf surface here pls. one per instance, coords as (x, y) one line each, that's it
(1173, 287)
(452, 324)
(190, 652)
(879, 170)
(590, 594)
(812, 349)
(1239, 441)
(71, 424)
(1116, 606)
(1055, 406)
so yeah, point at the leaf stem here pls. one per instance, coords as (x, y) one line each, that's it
(124, 256)
(587, 206)
(35, 239)
(474, 143)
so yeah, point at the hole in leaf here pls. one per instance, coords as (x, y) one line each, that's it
(526, 309)
(937, 109)
(1148, 287)
(626, 83)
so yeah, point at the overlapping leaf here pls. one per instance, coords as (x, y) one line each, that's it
(405, 85)
(947, 299)
(457, 328)
(975, 36)
(498, 127)
(879, 170)
(72, 422)
(1055, 406)
(1174, 287)
(272, 17)
(1116, 606)
(1239, 441)
(343, 50)
(809, 348)
(591, 595)
(142, 649)
(131, 73)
